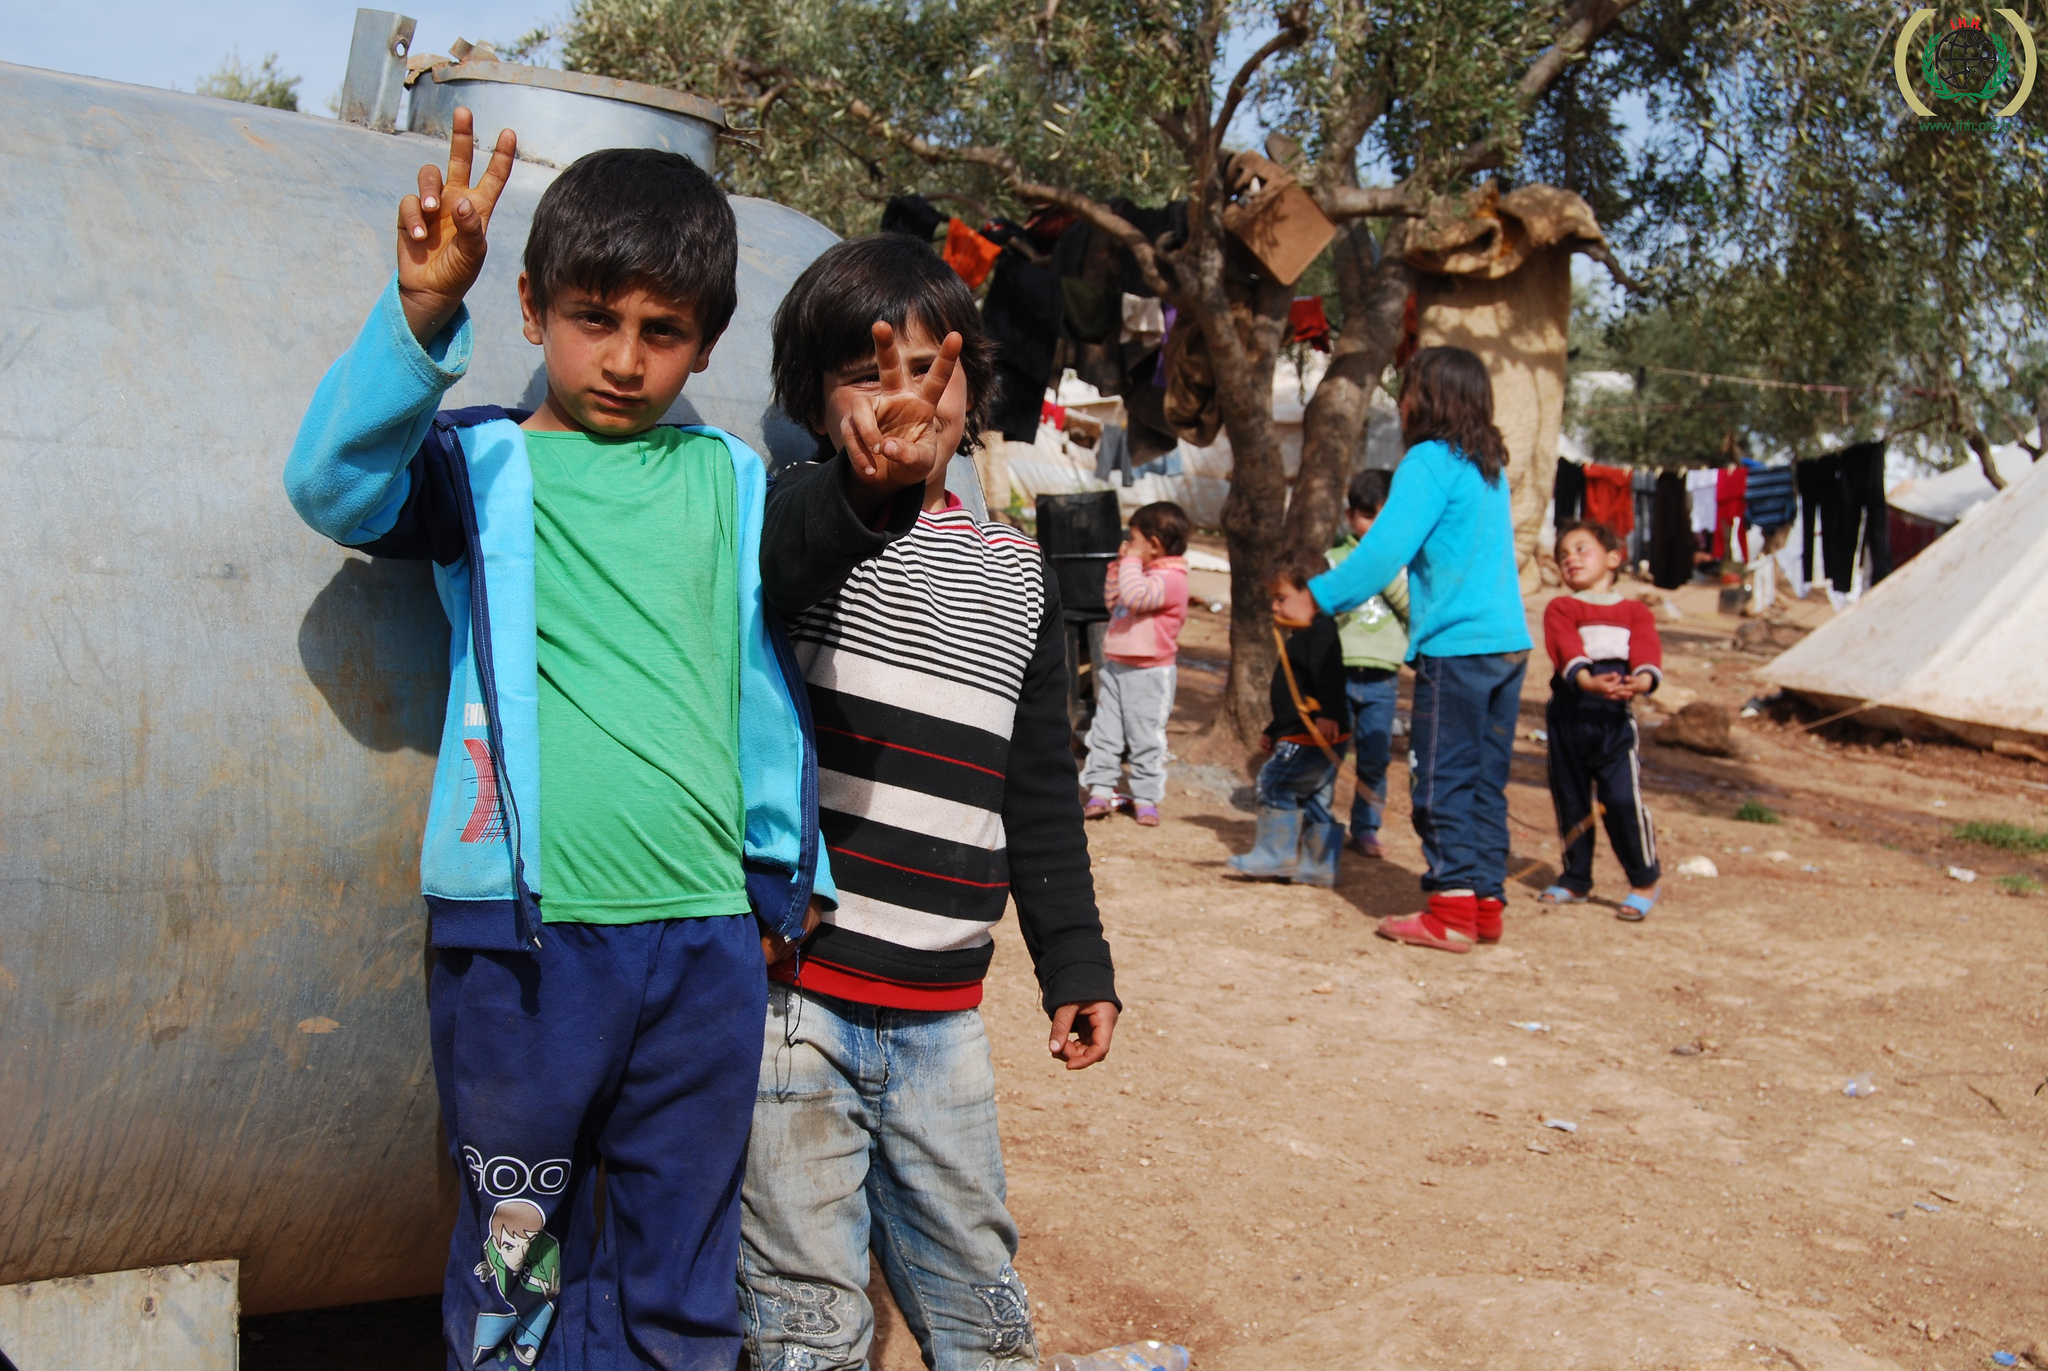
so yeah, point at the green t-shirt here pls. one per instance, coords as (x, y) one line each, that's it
(1376, 633)
(636, 587)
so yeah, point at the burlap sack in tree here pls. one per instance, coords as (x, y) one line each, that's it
(1496, 279)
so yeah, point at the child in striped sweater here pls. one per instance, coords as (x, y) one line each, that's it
(933, 650)
(1147, 593)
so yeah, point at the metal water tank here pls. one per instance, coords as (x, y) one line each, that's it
(220, 726)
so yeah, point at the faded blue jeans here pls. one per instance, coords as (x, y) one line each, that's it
(1461, 742)
(876, 1129)
(1372, 740)
(1300, 776)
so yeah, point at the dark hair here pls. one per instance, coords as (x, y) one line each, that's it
(1602, 534)
(1367, 493)
(827, 321)
(1297, 567)
(637, 217)
(1445, 394)
(1165, 523)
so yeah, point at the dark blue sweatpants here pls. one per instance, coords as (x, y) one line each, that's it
(638, 1046)
(1593, 751)
(1461, 740)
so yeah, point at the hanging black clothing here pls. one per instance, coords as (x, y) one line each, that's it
(1022, 314)
(912, 214)
(1570, 492)
(1816, 481)
(1847, 489)
(1671, 533)
(1863, 493)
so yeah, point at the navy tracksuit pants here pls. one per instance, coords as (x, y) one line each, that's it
(1593, 754)
(638, 1046)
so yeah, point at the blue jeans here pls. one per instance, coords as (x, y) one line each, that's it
(631, 1045)
(1299, 776)
(1372, 739)
(1460, 743)
(876, 1129)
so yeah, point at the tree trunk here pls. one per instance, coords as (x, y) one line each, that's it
(1374, 287)
(1981, 445)
(1254, 512)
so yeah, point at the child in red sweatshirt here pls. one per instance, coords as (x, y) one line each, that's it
(1605, 652)
(1147, 593)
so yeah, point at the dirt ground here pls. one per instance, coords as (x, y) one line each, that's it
(1312, 1148)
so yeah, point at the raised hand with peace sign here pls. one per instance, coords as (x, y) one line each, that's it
(898, 417)
(442, 229)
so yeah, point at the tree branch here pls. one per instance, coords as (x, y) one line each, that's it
(1293, 33)
(1100, 215)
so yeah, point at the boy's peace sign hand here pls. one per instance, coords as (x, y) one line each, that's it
(441, 230)
(891, 432)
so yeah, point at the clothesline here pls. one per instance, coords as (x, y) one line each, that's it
(1706, 376)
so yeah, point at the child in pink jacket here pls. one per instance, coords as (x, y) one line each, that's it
(1147, 593)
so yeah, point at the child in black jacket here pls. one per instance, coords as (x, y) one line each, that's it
(1299, 839)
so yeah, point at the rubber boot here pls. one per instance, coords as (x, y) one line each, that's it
(1488, 926)
(1277, 850)
(1321, 847)
(1450, 924)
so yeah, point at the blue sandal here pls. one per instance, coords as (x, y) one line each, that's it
(1557, 894)
(1636, 907)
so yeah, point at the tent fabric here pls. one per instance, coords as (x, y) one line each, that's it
(1957, 637)
(1946, 496)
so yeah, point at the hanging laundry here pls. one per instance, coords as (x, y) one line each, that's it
(1050, 413)
(1569, 492)
(1863, 490)
(911, 214)
(1771, 501)
(1671, 533)
(1022, 315)
(1169, 465)
(1048, 222)
(1113, 453)
(1701, 490)
(1168, 315)
(1731, 484)
(1644, 486)
(1307, 323)
(1817, 482)
(969, 254)
(1144, 320)
(1610, 500)
(1093, 313)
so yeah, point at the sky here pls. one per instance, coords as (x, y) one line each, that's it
(174, 43)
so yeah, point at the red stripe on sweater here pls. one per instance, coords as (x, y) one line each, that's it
(915, 752)
(898, 866)
(861, 988)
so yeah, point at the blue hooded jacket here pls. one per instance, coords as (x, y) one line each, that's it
(377, 469)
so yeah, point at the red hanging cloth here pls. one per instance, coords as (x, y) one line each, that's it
(969, 254)
(1609, 498)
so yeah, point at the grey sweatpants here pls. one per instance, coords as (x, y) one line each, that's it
(1132, 705)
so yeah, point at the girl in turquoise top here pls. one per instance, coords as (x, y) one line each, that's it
(1446, 520)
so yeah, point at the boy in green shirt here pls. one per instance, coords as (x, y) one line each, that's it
(624, 814)
(1375, 641)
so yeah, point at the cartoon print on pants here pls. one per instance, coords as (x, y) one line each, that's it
(522, 1268)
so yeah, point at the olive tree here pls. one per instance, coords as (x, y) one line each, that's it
(1080, 101)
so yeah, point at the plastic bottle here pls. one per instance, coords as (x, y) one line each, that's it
(1130, 1356)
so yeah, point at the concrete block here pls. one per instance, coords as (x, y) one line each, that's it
(163, 1318)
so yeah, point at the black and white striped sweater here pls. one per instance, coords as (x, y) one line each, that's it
(936, 664)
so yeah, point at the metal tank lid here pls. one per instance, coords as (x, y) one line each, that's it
(560, 115)
(581, 83)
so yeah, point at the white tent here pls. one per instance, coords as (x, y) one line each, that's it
(1957, 639)
(1948, 495)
